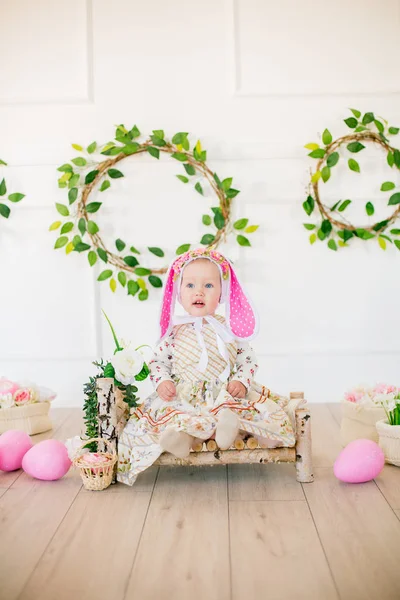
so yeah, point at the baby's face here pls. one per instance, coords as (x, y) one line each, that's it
(200, 288)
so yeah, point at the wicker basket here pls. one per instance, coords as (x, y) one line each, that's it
(358, 422)
(389, 441)
(96, 477)
(31, 418)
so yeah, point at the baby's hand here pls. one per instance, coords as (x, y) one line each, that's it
(167, 390)
(236, 389)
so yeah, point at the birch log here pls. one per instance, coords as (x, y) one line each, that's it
(304, 467)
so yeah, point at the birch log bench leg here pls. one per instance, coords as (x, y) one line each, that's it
(113, 416)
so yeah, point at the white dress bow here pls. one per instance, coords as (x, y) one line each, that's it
(224, 336)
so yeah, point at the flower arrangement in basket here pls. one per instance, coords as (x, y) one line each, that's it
(24, 406)
(389, 429)
(126, 367)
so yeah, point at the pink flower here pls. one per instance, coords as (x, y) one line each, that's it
(22, 396)
(7, 386)
(350, 397)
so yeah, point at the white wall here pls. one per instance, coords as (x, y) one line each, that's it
(255, 80)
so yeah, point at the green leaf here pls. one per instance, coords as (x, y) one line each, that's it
(397, 244)
(345, 234)
(385, 237)
(353, 165)
(198, 188)
(131, 261)
(79, 161)
(351, 122)
(179, 156)
(120, 244)
(91, 148)
(155, 281)
(308, 205)
(369, 209)
(206, 219)
(133, 288)
(157, 141)
(207, 239)
(344, 205)
(92, 227)
(327, 137)
(91, 176)
(183, 178)
(240, 224)
(153, 151)
(134, 132)
(226, 183)
(394, 130)
(66, 168)
(368, 118)
(141, 271)
(63, 210)
(183, 248)
(92, 257)
(77, 147)
(309, 226)
(312, 146)
(242, 240)
(326, 227)
(133, 249)
(104, 275)
(390, 159)
(360, 128)
(333, 159)
(319, 153)
(113, 285)
(72, 195)
(380, 225)
(321, 235)
(122, 278)
(2, 162)
(313, 238)
(395, 231)
(232, 193)
(5, 211)
(380, 127)
(16, 197)
(82, 225)
(316, 176)
(334, 207)
(67, 227)
(74, 180)
(102, 254)
(130, 149)
(356, 113)
(3, 188)
(363, 234)
(190, 170)
(61, 241)
(219, 220)
(93, 207)
(143, 295)
(114, 173)
(81, 247)
(159, 133)
(105, 185)
(332, 245)
(387, 186)
(156, 251)
(355, 147)
(395, 199)
(179, 138)
(325, 174)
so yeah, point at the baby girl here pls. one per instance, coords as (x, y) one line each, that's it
(203, 370)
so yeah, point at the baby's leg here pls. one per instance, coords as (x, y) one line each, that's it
(176, 442)
(227, 428)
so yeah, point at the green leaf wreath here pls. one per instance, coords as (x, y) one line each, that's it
(79, 232)
(5, 210)
(332, 227)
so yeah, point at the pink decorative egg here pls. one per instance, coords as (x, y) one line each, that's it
(360, 461)
(47, 460)
(14, 445)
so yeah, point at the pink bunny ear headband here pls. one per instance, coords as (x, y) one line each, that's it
(240, 314)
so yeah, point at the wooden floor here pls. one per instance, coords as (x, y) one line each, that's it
(242, 532)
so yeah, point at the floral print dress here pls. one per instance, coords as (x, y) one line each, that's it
(199, 398)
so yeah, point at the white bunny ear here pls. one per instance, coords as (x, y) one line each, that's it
(242, 316)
